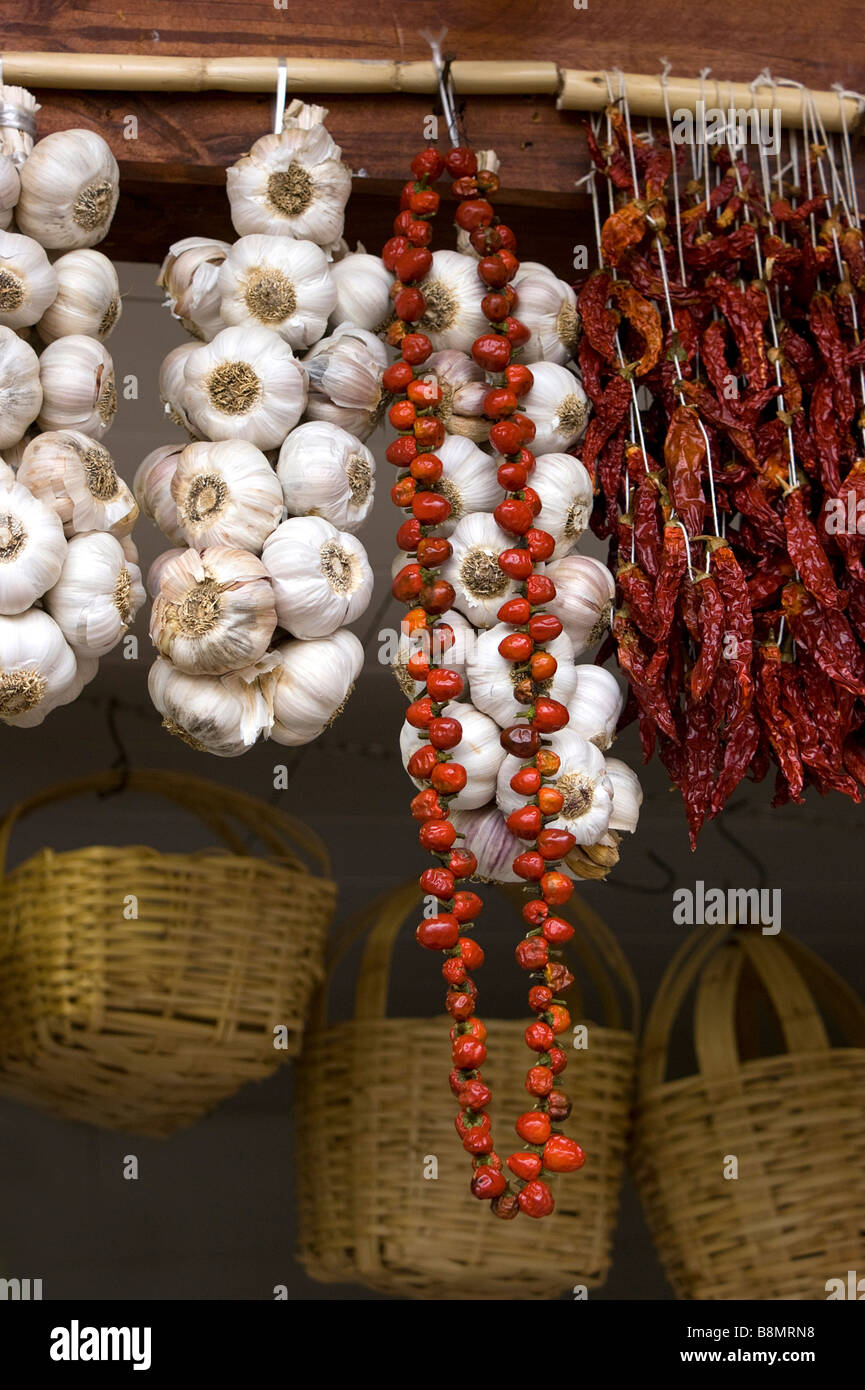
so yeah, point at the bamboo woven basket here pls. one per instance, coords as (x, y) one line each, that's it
(145, 1024)
(795, 1121)
(366, 1126)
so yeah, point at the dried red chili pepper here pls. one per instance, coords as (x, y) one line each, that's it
(700, 748)
(739, 753)
(599, 323)
(685, 457)
(844, 518)
(647, 523)
(674, 562)
(711, 623)
(824, 327)
(623, 229)
(746, 314)
(807, 554)
(769, 580)
(644, 318)
(638, 594)
(776, 722)
(738, 643)
(827, 636)
(634, 662)
(811, 750)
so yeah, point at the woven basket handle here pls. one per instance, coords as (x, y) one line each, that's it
(382, 918)
(677, 980)
(221, 808)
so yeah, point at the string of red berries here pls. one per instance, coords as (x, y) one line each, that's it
(418, 490)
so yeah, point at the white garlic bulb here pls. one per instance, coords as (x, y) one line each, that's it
(292, 184)
(20, 387)
(77, 477)
(152, 488)
(226, 494)
(585, 591)
(595, 705)
(245, 384)
(564, 486)
(362, 284)
(321, 576)
(548, 308)
(627, 795)
(464, 387)
(7, 473)
(28, 282)
(10, 190)
(280, 283)
(190, 277)
(222, 715)
(32, 547)
(97, 595)
(492, 677)
(172, 386)
(38, 670)
(88, 297)
(14, 453)
(325, 471)
(468, 480)
(473, 568)
(558, 407)
(69, 190)
(453, 316)
(154, 574)
(78, 387)
(311, 685)
(214, 612)
(478, 751)
(582, 781)
(345, 380)
(487, 837)
(450, 643)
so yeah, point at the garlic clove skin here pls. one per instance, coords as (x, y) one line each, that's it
(88, 298)
(226, 494)
(245, 384)
(489, 840)
(558, 407)
(582, 780)
(277, 283)
(172, 387)
(464, 387)
(222, 715)
(154, 574)
(38, 670)
(345, 387)
(453, 317)
(325, 471)
(69, 190)
(548, 308)
(468, 480)
(20, 387)
(28, 282)
(596, 705)
(214, 612)
(585, 591)
(130, 549)
(450, 643)
(311, 685)
(97, 596)
(362, 284)
(292, 184)
(321, 577)
(478, 751)
(10, 190)
(152, 488)
(32, 548)
(473, 569)
(565, 488)
(7, 474)
(78, 387)
(190, 277)
(492, 677)
(627, 795)
(76, 476)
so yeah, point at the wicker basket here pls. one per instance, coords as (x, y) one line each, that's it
(366, 1125)
(146, 1024)
(795, 1121)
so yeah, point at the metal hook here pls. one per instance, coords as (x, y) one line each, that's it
(667, 870)
(445, 82)
(121, 761)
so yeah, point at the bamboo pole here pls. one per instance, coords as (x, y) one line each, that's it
(575, 90)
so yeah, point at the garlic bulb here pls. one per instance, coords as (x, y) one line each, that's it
(325, 471)
(222, 715)
(362, 284)
(585, 590)
(321, 576)
(190, 277)
(245, 384)
(345, 380)
(565, 489)
(548, 308)
(10, 190)
(28, 282)
(595, 861)
(582, 781)
(595, 705)
(492, 677)
(464, 386)
(478, 751)
(78, 389)
(97, 595)
(311, 685)
(88, 298)
(38, 670)
(20, 387)
(154, 574)
(468, 480)
(14, 453)
(32, 548)
(453, 317)
(76, 476)
(152, 488)
(558, 407)
(627, 795)
(69, 189)
(473, 569)
(490, 841)
(450, 643)
(214, 612)
(292, 184)
(7, 473)
(172, 386)
(279, 283)
(226, 494)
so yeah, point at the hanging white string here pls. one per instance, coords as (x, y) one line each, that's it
(849, 172)
(665, 71)
(435, 42)
(281, 84)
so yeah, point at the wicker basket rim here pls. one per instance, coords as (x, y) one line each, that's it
(280, 863)
(346, 1025)
(699, 1082)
